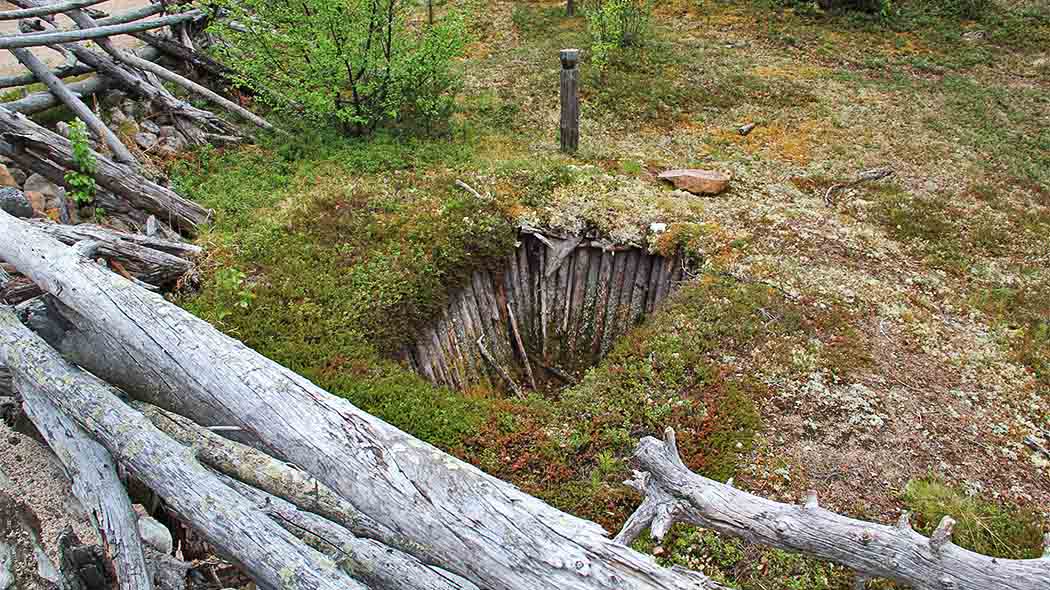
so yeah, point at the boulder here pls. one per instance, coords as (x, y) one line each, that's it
(14, 202)
(151, 127)
(145, 140)
(170, 146)
(696, 181)
(6, 178)
(18, 174)
(47, 198)
(168, 131)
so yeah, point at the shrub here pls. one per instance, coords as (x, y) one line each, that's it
(360, 63)
(616, 24)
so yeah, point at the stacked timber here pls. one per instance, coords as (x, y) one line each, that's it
(555, 307)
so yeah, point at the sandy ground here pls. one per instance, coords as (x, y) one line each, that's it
(8, 63)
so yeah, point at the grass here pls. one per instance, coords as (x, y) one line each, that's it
(981, 526)
(328, 251)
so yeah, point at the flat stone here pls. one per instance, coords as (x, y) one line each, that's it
(151, 127)
(15, 202)
(47, 198)
(696, 181)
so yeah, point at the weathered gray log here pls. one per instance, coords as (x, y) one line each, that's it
(373, 564)
(73, 102)
(133, 14)
(190, 85)
(570, 100)
(96, 485)
(30, 141)
(57, 37)
(675, 494)
(448, 512)
(513, 385)
(147, 259)
(63, 71)
(265, 551)
(521, 347)
(186, 55)
(47, 10)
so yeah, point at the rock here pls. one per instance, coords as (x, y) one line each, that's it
(14, 202)
(151, 127)
(170, 146)
(698, 182)
(113, 98)
(155, 534)
(145, 140)
(18, 174)
(6, 178)
(745, 129)
(47, 198)
(117, 116)
(63, 129)
(132, 109)
(658, 228)
(168, 131)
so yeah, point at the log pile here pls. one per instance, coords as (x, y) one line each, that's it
(301, 489)
(556, 307)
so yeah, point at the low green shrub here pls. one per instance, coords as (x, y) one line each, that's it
(616, 24)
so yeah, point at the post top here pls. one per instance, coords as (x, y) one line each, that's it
(569, 58)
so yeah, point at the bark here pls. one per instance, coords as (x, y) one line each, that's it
(448, 512)
(18, 290)
(147, 259)
(675, 494)
(373, 564)
(184, 54)
(268, 553)
(28, 140)
(75, 104)
(95, 484)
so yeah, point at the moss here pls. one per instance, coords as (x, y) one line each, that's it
(981, 525)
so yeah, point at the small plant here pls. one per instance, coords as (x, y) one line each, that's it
(81, 180)
(616, 24)
(230, 281)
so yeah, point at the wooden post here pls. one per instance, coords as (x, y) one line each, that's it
(570, 8)
(570, 100)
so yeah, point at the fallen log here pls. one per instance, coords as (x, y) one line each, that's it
(149, 260)
(28, 142)
(449, 513)
(184, 54)
(231, 524)
(47, 10)
(58, 37)
(675, 494)
(75, 104)
(95, 484)
(373, 564)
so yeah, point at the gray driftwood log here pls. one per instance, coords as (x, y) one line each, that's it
(375, 565)
(675, 494)
(28, 141)
(57, 37)
(75, 104)
(265, 551)
(96, 485)
(448, 513)
(150, 260)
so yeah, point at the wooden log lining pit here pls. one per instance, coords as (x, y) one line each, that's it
(554, 309)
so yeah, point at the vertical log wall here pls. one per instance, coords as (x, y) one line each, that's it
(570, 299)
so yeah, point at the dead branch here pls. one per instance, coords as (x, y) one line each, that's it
(675, 494)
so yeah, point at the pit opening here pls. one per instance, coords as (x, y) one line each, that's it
(553, 310)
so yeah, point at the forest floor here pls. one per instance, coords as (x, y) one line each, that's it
(889, 349)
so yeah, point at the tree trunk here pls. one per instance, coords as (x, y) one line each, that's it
(28, 141)
(95, 485)
(149, 260)
(265, 551)
(449, 513)
(675, 494)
